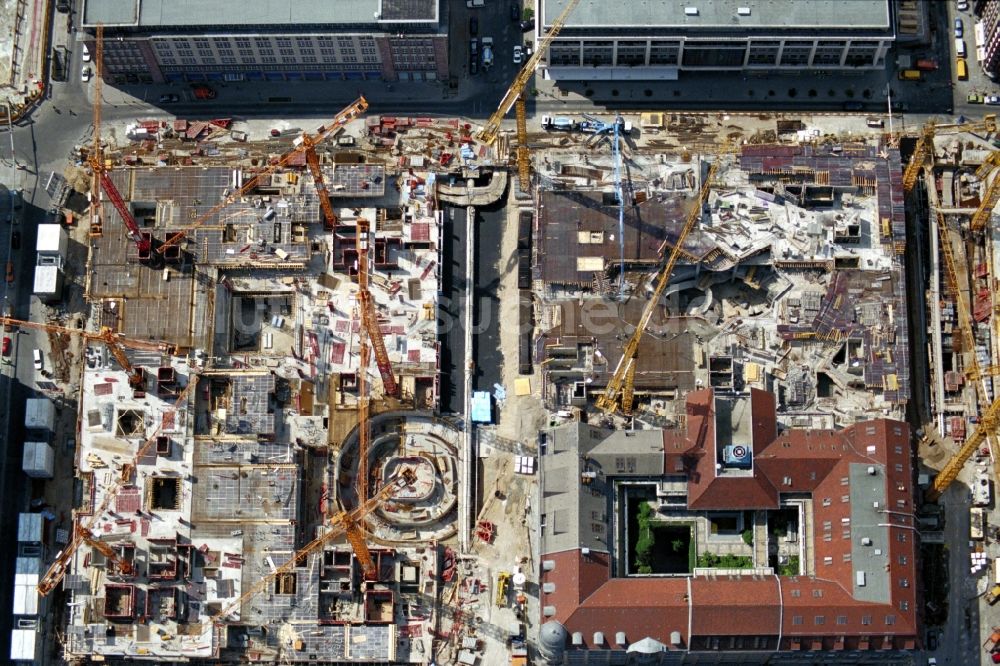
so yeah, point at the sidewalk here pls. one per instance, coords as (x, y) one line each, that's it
(324, 94)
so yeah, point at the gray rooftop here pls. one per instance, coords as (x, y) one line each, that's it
(166, 13)
(719, 14)
(571, 510)
(868, 521)
(630, 453)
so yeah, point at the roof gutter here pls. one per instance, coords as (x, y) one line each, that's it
(690, 612)
(781, 613)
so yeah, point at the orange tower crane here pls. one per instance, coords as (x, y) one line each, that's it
(84, 528)
(356, 108)
(112, 340)
(308, 144)
(369, 321)
(143, 242)
(346, 522)
(124, 567)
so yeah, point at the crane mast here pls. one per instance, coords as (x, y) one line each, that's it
(102, 180)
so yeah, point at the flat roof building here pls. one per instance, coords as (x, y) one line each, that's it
(658, 40)
(160, 41)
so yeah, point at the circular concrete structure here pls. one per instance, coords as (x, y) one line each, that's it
(424, 444)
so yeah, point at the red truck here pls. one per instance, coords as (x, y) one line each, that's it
(927, 64)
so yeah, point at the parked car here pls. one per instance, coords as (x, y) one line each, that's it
(473, 66)
(992, 100)
(169, 98)
(974, 98)
(527, 25)
(202, 91)
(515, 11)
(15, 240)
(85, 54)
(963, 6)
(63, 6)
(959, 28)
(7, 344)
(36, 357)
(473, 26)
(85, 74)
(518, 55)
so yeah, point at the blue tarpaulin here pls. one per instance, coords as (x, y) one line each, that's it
(481, 408)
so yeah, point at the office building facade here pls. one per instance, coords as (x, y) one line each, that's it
(616, 41)
(155, 41)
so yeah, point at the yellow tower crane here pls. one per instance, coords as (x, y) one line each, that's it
(618, 394)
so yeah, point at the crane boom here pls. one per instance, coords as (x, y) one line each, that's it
(112, 340)
(985, 210)
(142, 243)
(990, 416)
(491, 130)
(357, 107)
(339, 524)
(369, 322)
(616, 159)
(609, 401)
(57, 570)
(312, 159)
(923, 149)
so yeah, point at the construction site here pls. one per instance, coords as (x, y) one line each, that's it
(698, 444)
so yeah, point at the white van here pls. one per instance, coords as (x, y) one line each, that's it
(37, 357)
(959, 48)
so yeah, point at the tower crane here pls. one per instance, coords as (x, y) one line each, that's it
(312, 159)
(348, 113)
(143, 242)
(84, 528)
(491, 130)
(921, 152)
(124, 567)
(619, 391)
(990, 417)
(345, 522)
(369, 322)
(111, 339)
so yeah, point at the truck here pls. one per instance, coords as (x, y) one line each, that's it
(487, 52)
(559, 124)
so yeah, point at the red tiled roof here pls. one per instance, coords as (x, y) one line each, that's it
(742, 605)
(764, 426)
(705, 489)
(653, 607)
(811, 611)
(576, 576)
